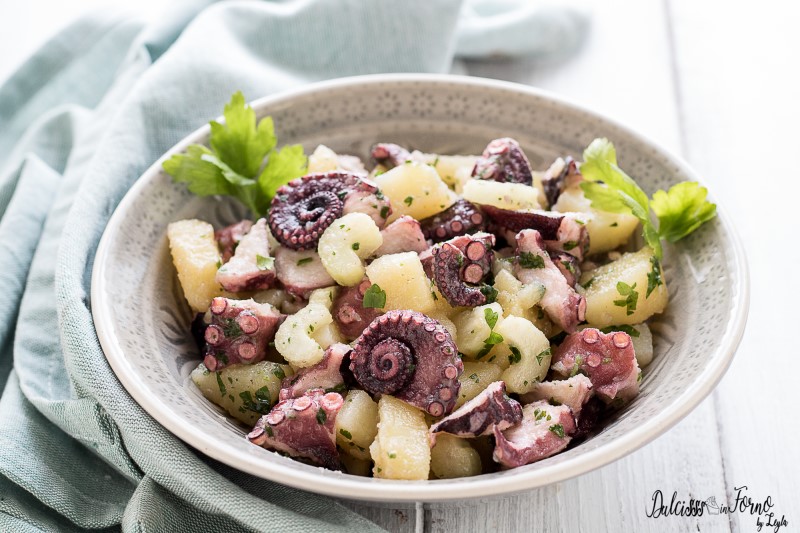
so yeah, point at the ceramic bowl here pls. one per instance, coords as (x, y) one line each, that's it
(147, 340)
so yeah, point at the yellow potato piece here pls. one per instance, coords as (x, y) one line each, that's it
(197, 259)
(402, 278)
(357, 424)
(401, 449)
(453, 457)
(415, 189)
(475, 378)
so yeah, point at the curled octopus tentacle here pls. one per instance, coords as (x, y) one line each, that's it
(239, 332)
(410, 356)
(490, 409)
(461, 218)
(327, 374)
(303, 208)
(563, 173)
(302, 427)
(460, 266)
(503, 160)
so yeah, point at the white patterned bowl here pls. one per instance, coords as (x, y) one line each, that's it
(152, 352)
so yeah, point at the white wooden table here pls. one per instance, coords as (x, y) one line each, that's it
(717, 82)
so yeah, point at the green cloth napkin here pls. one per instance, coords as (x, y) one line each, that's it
(79, 122)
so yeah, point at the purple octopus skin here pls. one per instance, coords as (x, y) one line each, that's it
(544, 431)
(349, 313)
(503, 160)
(608, 359)
(590, 418)
(402, 235)
(251, 268)
(229, 236)
(568, 265)
(240, 332)
(490, 409)
(562, 304)
(459, 267)
(563, 173)
(303, 208)
(573, 392)
(461, 218)
(302, 427)
(300, 272)
(410, 356)
(390, 155)
(562, 232)
(325, 375)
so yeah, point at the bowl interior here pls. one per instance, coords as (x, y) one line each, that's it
(152, 351)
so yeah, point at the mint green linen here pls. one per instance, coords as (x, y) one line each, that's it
(79, 122)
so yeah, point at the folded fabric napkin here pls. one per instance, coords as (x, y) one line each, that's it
(79, 122)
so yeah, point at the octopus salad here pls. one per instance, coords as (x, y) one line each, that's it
(422, 316)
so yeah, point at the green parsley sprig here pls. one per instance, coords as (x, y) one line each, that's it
(235, 164)
(679, 211)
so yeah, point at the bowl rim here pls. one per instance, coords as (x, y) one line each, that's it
(352, 487)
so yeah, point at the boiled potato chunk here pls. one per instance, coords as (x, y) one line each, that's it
(322, 160)
(327, 335)
(402, 278)
(607, 306)
(455, 170)
(294, 340)
(511, 196)
(324, 296)
(473, 328)
(515, 297)
(607, 231)
(453, 457)
(401, 449)
(357, 424)
(196, 258)
(643, 345)
(415, 189)
(529, 354)
(476, 377)
(245, 391)
(345, 244)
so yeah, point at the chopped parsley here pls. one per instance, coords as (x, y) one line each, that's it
(278, 372)
(558, 430)
(221, 384)
(391, 455)
(356, 245)
(384, 211)
(530, 260)
(516, 355)
(544, 353)
(474, 377)
(630, 330)
(631, 297)
(374, 297)
(264, 263)
(654, 276)
(491, 316)
(588, 283)
(321, 416)
(304, 261)
(346, 434)
(408, 200)
(569, 245)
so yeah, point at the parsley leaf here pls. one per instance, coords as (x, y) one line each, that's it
(558, 430)
(631, 297)
(491, 317)
(530, 260)
(681, 210)
(233, 164)
(374, 297)
(264, 263)
(630, 330)
(654, 276)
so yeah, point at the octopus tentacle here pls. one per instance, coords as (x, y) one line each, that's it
(573, 392)
(459, 267)
(402, 235)
(562, 304)
(562, 232)
(302, 427)
(389, 154)
(327, 374)
(303, 208)
(239, 332)
(461, 218)
(608, 359)
(563, 173)
(544, 431)
(503, 160)
(229, 236)
(251, 267)
(349, 312)
(490, 409)
(411, 356)
(568, 265)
